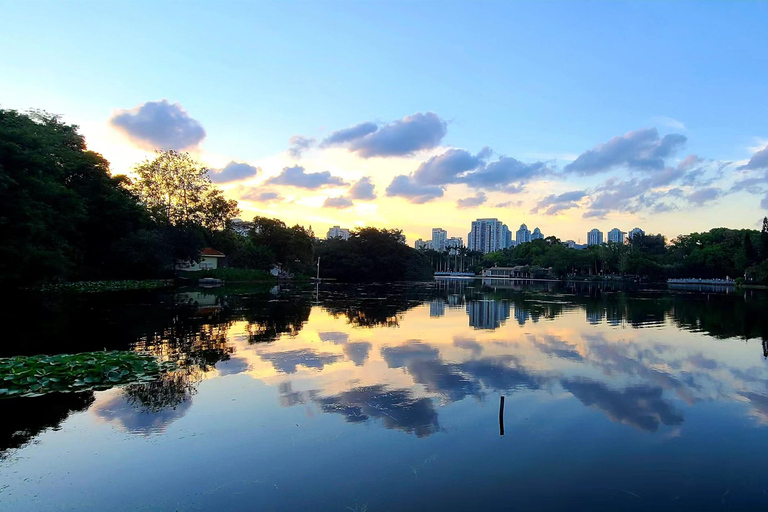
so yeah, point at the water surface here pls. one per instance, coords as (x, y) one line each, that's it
(387, 397)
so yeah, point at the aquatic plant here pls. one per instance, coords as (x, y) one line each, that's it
(106, 286)
(37, 375)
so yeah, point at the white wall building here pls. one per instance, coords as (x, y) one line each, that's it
(594, 237)
(487, 235)
(337, 232)
(439, 236)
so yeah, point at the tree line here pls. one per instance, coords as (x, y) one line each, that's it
(717, 253)
(65, 217)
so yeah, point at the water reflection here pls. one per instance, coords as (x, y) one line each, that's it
(395, 355)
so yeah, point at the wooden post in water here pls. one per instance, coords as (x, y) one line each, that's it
(501, 416)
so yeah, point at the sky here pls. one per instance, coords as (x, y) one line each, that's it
(561, 115)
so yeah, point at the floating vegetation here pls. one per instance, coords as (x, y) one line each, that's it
(38, 375)
(106, 286)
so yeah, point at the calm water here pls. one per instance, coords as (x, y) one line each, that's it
(387, 398)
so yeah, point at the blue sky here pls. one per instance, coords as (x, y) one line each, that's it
(535, 81)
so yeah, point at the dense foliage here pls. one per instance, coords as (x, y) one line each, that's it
(63, 216)
(718, 253)
(372, 254)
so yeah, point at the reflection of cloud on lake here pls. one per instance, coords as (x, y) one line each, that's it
(232, 366)
(555, 346)
(759, 403)
(502, 373)
(288, 361)
(411, 350)
(468, 344)
(640, 406)
(357, 352)
(289, 397)
(116, 408)
(337, 338)
(397, 408)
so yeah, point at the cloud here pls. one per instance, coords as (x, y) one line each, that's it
(298, 177)
(704, 195)
(633, 195)
(159, 125)
(299, 144)
(758, 161)
(764, 202)
(260, 196)
(348, 134)
(363, 190)
(428, 182)
(471, 202)
(234, 171)
(689, 161)
(404, 186)
(639, 150)
(669, 122)
(403, 137)
(507, 174)
(507, 204)
(555, 203)
(446, 167)
(339, 202)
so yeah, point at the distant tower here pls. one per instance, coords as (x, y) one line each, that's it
(537, 234)
(594, 237)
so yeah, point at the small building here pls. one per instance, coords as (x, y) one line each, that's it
(210, 259)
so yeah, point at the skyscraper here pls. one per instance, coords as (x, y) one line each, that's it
(616, 236)
(537, 234)
(487, 235)
(594, 237)
(635, 231)
(337, 232)
(523, 235)
(439, 237)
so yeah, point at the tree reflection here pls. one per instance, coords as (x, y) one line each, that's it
(26, 418)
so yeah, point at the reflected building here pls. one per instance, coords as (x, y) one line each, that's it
(595, 315)
(436, 308)
(522, 315)
(487, 314)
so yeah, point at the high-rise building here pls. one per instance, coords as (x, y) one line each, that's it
(487, 235)
(570, 244)
(439, 237)
(537, 234)
(594, 237)
(635, 231)
(337, 232)
(616, 236)
(420, 244)
(523, 235)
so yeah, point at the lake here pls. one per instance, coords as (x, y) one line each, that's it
(387, 398)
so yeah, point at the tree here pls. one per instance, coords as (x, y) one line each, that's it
(174, 188)
(61, 212)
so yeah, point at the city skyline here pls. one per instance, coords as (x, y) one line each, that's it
(623, 141)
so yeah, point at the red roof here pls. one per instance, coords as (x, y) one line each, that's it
(209, 251)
